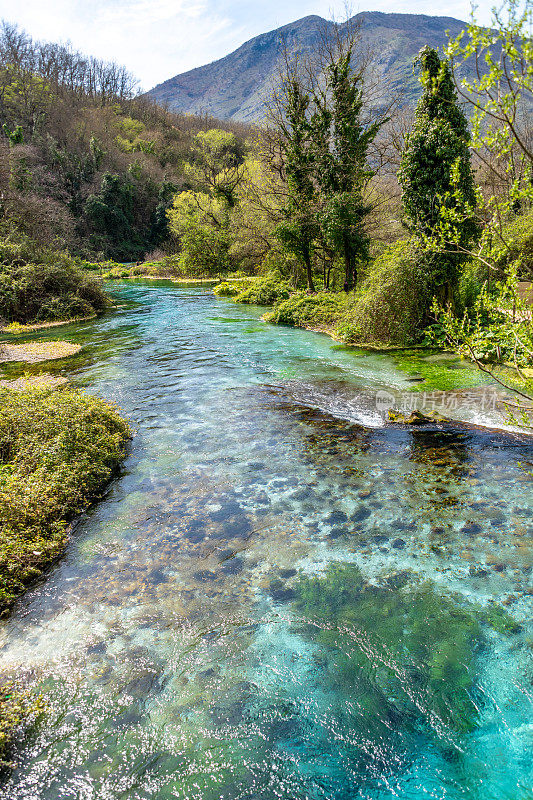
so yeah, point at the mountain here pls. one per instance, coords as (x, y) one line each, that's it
(235, 87)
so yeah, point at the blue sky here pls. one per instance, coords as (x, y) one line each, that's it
(157, 39)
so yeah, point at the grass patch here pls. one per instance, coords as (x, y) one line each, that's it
(58, 449)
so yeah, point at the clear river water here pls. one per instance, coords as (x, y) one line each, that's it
(280, 596)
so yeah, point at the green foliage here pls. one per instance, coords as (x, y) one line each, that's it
(15, 136)
(265, 291)
(390, 304)
(395, 650)
(435, 173)
(298, 228)
(233, 288)
(16, 706)
(47, 292)
(200, 224)
(57, 451)
(216, 164)
(497, 328)
(500, 93)
(339, 149)
(303, 310)
(112, 218)
(518, 250)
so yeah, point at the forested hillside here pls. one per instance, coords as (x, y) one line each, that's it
(86, 164)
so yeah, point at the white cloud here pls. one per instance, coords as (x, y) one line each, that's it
(157, 39)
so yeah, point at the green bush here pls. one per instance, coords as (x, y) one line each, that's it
(390, 305)
(265, 291)
(47, 292)
(232, 288)
(518, 236)
(302, 309)
(57, 451)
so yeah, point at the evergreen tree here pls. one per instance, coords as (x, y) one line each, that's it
(436, 174)
(339, 144)
(297, 231)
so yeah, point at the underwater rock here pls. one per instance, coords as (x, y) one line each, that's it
(415, 417)
(477, 572)
(362, 513)
(398, 544)
(336, 516)
(204, 575)
(99, 647)
(156, 577)
(471, 529)
(232, 566)
(228, 509)
(287, 573)
(279, 592)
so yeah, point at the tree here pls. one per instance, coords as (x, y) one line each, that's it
(436, 174)
(217, 164)
(288, 118)
(110, 213)
(500, 95)
(200, 224)
(339, 150)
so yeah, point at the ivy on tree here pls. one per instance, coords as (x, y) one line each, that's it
(339, 146)
(436, 174)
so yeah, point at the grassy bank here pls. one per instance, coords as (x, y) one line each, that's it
(58, 450)
(377, 315)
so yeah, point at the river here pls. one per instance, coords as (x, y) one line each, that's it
(279, 595)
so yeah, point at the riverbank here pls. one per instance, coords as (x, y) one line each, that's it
(16, 328)
(58, 450)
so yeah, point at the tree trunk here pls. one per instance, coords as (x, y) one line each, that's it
(309, 270)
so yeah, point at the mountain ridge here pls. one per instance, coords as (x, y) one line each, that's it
(235, 86)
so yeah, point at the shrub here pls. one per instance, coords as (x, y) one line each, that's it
(233, 288)
(47, 292)
(518, 237)
(265, 291)
(302, 309)
(57, 451)
(390, 305)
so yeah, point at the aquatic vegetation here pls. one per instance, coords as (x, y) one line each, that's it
(406, 650)
(438, 371)
(57, 451)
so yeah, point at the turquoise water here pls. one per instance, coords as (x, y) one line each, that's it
(280, 596)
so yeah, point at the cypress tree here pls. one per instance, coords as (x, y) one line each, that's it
(436, 174)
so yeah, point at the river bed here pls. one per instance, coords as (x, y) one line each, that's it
(281, 596)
